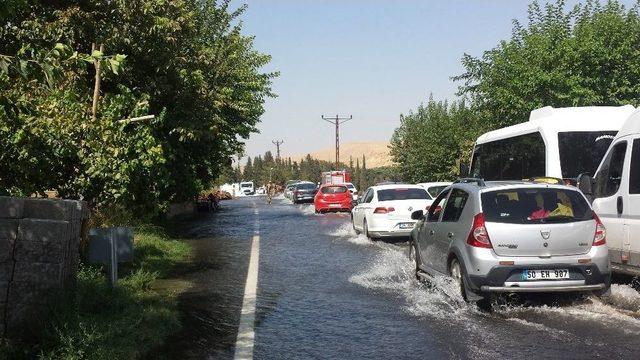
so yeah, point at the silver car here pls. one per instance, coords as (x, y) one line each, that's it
(512, 237)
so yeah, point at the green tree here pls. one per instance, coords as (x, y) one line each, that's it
(432, 142)
(584, 56)
(187, 63)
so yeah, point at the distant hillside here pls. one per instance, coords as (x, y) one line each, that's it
(377, 153)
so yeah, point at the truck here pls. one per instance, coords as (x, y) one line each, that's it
(335, 177)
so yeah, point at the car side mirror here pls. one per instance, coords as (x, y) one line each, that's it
(417, 215)
(585, 184)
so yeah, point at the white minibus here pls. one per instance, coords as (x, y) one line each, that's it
(555, 142)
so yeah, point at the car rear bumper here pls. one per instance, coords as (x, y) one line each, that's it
(509, 279)
(398, 233)
(383, 226)
(545, 288)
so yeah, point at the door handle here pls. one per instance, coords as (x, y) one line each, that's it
(431, 232)
(620, 205)
(450, 235)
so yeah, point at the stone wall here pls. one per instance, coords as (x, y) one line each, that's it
(39, 254)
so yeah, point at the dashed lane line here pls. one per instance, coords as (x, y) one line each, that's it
(246, 332)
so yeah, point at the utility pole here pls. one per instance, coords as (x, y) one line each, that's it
(277, 143)
(337, 121)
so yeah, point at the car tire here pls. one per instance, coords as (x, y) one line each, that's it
(365, 230)
(455, 271)
(413, 256)
(353, 224)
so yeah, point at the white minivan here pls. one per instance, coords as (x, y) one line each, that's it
(615, 189)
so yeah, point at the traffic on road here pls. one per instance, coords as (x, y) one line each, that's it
(325, 291)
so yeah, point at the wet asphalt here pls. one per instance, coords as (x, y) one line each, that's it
(326, 293)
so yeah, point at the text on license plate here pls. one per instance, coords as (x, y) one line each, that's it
(405, 225)
(335, 205)
(545, 274)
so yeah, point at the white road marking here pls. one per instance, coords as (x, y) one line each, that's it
(246, 333)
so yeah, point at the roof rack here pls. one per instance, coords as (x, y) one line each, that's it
(478, 181)
(545, 180)
(391, 183)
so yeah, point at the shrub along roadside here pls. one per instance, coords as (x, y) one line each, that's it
(98, 322)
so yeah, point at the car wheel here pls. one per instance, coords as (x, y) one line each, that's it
(353, 224)
(455, 270)
(413, 256)
(365, 230)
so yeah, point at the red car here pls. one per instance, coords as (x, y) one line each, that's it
(332, 197)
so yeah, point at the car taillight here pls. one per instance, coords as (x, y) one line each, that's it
(600, 237)
(478, 236)
(383, 210)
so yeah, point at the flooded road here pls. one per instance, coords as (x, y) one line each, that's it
(325, 293)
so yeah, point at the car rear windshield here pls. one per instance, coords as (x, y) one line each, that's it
(434, 191)
(306, 186)
(246, 185)
(402, 194)
(334, 190)
(535, 205)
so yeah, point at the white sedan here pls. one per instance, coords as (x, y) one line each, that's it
(434, 188)
(385, 210)
(353, 190)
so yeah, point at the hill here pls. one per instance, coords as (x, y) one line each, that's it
(376, 152)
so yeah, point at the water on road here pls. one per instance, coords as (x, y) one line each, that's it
(326, 293)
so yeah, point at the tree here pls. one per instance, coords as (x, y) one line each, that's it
(584, 56)
(432, 142)
(177, 68)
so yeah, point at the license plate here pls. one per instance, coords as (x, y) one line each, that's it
(555, 274)
(405, 225)
(335, 205)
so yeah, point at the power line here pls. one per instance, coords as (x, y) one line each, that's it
(277, 143)
(336, 121)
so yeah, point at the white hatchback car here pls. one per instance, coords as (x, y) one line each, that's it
(385, 210)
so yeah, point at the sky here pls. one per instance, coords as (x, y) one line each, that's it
(371, 59)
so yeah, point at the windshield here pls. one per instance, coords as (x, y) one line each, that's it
(334, 190)
(306, 186)
(247, 185)
(402, 194)
(582, 151)
(535, 205)
(434, 191)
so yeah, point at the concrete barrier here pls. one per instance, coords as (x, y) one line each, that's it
(39, 254)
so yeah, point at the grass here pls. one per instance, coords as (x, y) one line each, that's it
(99, 322)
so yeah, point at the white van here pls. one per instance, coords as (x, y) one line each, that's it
(616, 192)
(247, 188)
(555, 142)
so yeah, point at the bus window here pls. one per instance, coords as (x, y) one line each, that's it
(582, 151)
(514, 158)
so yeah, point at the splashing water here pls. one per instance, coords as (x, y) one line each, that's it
(344, 230)
(307, 209)
(391, 271)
